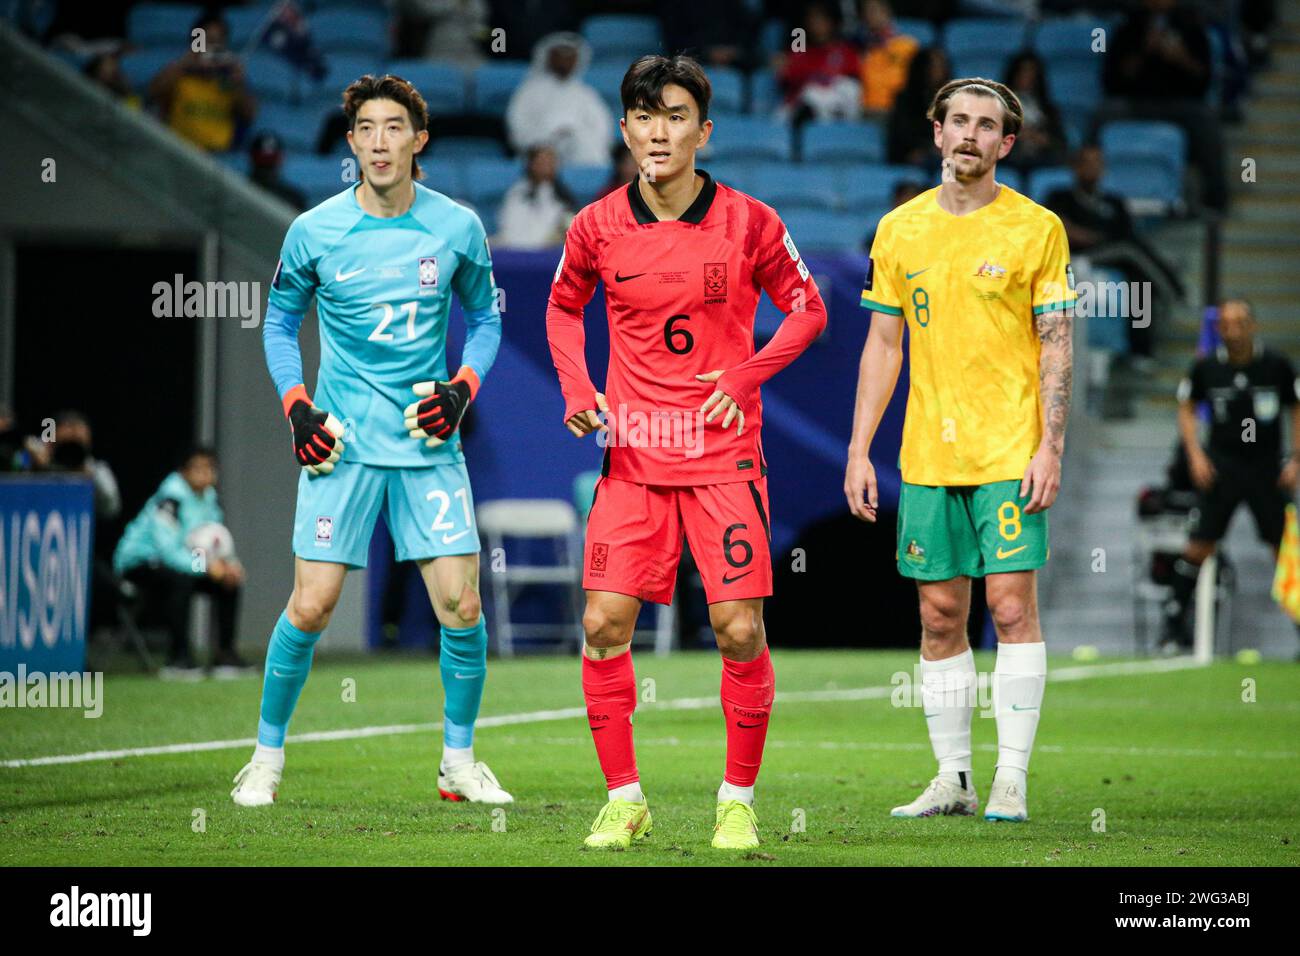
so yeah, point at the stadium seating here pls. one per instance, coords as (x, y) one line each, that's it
(619, 37)
(764, 92)
(795, 187)
(1143, 178)
(244, 22)
(143, 65)
(605, 79)
(271, 76)
(832, 231)
(494, 83)
(447, 176)
(751, 137)
(161, 24)
(1043, 182)
(843, 142)
(997, 39)
(728, 90)
(585, 181)
(870, 186)
(298, 126)
(485, 181)
(1075, 85)
(346, 67)
(466, 148)
(922, 31)
(1150, 140)
(1061, 40)
(351, 30)
(443, 85)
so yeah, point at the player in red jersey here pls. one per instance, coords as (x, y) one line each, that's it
(684, 260)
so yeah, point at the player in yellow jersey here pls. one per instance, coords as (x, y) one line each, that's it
(981, 276)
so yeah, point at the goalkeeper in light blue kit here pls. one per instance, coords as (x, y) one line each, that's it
(383, 259)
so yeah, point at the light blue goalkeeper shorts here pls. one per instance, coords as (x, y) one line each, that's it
(429, 512)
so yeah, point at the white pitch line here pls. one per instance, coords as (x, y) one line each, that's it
(568, 713)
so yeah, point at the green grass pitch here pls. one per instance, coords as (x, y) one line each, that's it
(1176, 765)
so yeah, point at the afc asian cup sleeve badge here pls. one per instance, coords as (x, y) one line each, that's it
(428, 274)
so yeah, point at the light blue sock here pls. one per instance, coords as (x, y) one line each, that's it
(463, 663)
(288, 661)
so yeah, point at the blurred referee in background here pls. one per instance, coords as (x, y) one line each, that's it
(1246, 386)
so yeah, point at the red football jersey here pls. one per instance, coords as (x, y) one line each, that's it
(680, 299)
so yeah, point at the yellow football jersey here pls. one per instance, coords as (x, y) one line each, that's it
(969, 287)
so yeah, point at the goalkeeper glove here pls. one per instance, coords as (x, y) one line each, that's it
(439, 412)
(317, 434)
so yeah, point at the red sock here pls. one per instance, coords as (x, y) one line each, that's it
(610, 689)
(747, 689)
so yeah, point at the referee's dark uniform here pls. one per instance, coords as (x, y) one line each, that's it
(1247, 470)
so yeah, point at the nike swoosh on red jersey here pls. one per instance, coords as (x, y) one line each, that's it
(619, 278)
(727, 580)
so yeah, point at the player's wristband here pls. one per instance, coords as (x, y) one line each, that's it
(296, 394)
(470, 378)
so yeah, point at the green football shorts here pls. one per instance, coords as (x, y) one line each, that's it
(968, 530)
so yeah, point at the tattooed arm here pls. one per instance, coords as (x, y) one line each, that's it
(1055, 383)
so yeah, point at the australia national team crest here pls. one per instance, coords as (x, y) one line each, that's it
(990, 270)
(715, 281)
(428, 275)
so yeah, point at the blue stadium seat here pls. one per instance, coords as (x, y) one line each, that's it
(447, 176)
(494, 83)
(585, 181)
(605, 79)
(443, 85)
(488, 216)
(843, 142)
(1139, 177)
(977, 62)
(298, 126)
(773, 38)
(243, 22)
(764, 92)
(922, 31)
(351, 30)
(621, 36)
(728, 89)
(870, 186)
(838, 231)
(787, 187)
(272, 76)
(1043, 182)
(467, 147)
(161, 24)
(345, 67)
(235, 160)
(1061, 39)
(738, 174)
(1123, 141)
(736, 136)
(485, 181)
(318, 176)
(143, 65)
(996, 38)
(1075, 85)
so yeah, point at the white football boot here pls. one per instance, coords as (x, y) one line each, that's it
(1006, 803)
(471, 782)
(257, 784)
(940, 798)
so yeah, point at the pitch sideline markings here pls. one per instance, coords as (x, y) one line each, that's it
(1063, 674)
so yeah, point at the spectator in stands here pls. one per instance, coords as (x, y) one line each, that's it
(1099, 229)
(446, 30)
(538, 208)
(1158, 68)
(203, 96)
(1243, 382)
(553, 106)
(106, 70)
(821, 81)
(624, 170)
(156, 554)
(886, 55)
(267, 156)
(1041, 141)
(910, 136)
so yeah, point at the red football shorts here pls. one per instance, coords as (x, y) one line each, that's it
(634, 539)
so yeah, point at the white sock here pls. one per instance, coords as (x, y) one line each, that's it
(729, 791)
(455, 756)
(629, 791)
(1018, 679)
(948, 701)
(272, 755)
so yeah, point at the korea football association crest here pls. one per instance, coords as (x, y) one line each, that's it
(715, 282)
(428, 275)
(324, 531)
